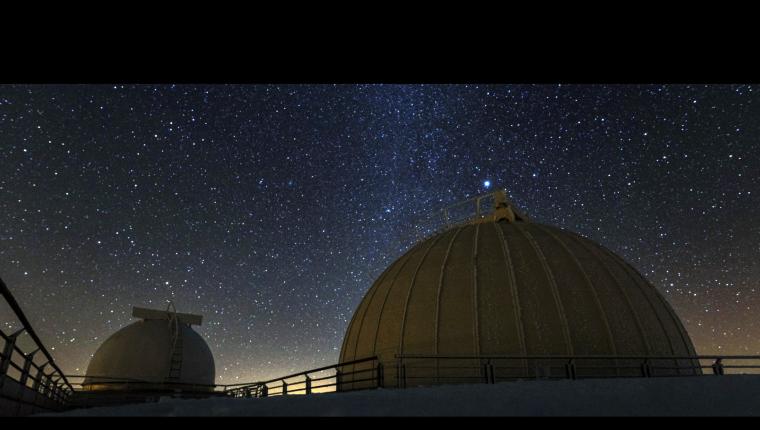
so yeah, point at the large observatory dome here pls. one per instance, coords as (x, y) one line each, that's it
(505, 286)
(161, 351)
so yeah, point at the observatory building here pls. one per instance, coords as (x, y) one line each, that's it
(505, 289)
(161, 352)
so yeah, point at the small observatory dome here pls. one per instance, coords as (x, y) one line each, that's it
(161, 351)
(501, 285)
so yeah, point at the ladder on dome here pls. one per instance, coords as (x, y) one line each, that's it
(175, 365)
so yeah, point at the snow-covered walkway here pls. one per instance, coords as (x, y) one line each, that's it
(706, 395)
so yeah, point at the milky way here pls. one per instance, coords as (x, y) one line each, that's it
(271, 209)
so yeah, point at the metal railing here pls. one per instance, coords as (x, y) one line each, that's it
(323, 379)
(461, 212)
(25, 383)
(413, 370)
(430, 223)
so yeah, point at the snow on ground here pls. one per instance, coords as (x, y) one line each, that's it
(705, 395)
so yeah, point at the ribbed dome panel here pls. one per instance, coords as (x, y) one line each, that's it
(512, 288)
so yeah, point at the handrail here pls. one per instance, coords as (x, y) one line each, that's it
(6, 293)
(484, 368)
(25, 379)
(240, 387)
(232, 389)
(320, 369)
(568, 357)
(243, 388)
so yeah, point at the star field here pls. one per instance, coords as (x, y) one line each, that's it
(271, 209)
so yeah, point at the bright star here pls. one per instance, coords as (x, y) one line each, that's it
(487, 184)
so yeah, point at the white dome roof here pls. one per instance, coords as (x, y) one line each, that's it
(142, 352)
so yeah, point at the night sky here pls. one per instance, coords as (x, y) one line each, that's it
(271, 209)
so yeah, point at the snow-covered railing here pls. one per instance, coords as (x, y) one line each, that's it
(25, 385)
(424, 369)
(323, 379)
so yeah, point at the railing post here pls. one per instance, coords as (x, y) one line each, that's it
(284, 387)
(488, 373)
(5, 361)
(56, 393)
(50, 385)
(55, 389)
(46, 385)
(308, 385)
(264, 391)
(28, 359)
(380, 375)
(338, 381)
(646, 370)
(398, 372)
(718, 367)
(403, 375)
(570, 369)
(40, 374)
